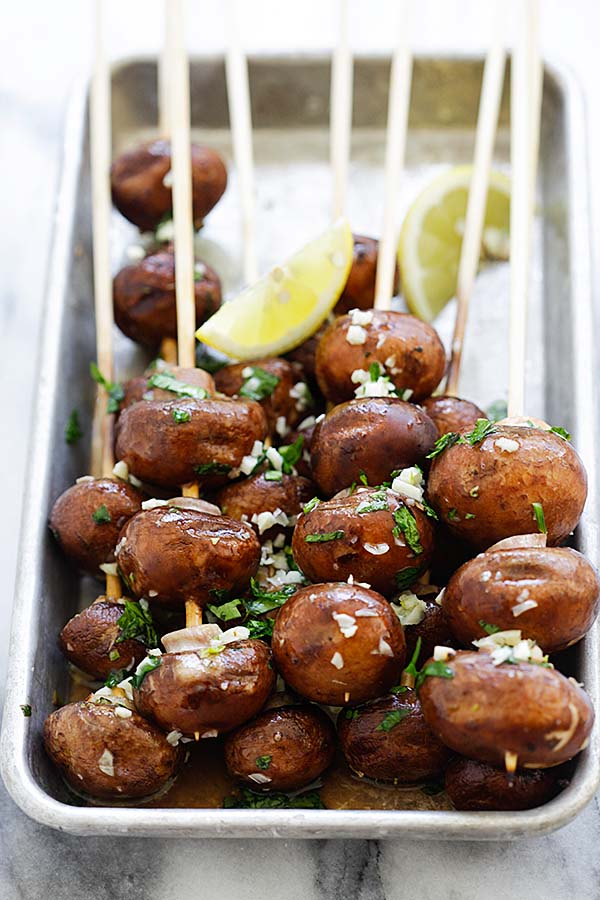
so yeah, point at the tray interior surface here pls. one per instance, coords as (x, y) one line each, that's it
(290, 103)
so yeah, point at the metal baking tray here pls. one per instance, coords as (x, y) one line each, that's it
(290, 98)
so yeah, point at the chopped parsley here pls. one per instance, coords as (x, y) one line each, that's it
(470, 516)
(25, 709)
(411, 668)
(261, 629)
(114, 655)
(363, 478)
(561, 432)
(484, 428)
(376, 503)
(399, 689)
(101, 515)
(181, 415)
(374, 371)
(428, 510)
(212, 468)
(323, 537)
(308, 507)
(227, 611)
(406, 577)
(263, 762)
(291, 453)
(392, 719)
(489, 629)
(433, 670)
(259, 384)
(166, 381)
(264, 601)
(114, 390)
(273, 475)
(453, 515)
(538, 514)
(73, 432)
(442, 443)
(147, 665)
(351, 713)
(115, 678)
(135, 624)
(406, 524)
(247, 799)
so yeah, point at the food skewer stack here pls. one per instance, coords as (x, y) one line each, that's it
(309, 556)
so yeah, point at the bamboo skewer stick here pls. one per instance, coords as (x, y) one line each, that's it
(181, 163)
(341, 111)
(100, 140)
(525, 103)
(487, 124)
(240, 119)
(397, 126)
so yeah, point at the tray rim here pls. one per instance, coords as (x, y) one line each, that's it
(14, 741)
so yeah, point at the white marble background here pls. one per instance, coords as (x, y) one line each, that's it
(43, 47)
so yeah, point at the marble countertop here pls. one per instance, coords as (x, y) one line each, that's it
(43, 50)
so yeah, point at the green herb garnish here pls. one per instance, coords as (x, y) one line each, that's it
(375, 503)
(249, 800)
(25, 709)
(433, 670)
(483, 428)
(474, 492)
(114, 655)
(561, 432)
(538, 513)
(166, 381)
(489, 629)
(181, 415)
(442, 443)
(273, 475)
(147, 665)
(212, 468)
(392, 719)
(363, 478)
(259, 384)
(324, 537)
(227, 611)
(101, 515)
(453, 515)
(291, 453)
(351, 714)
(135, 624)
(406, 577)
(308, 507)
(263, 762)
(264, 601)
(261, 629)
(470, 516)
(374, 371)
(411, 668)
(73, 432)
(115, 678)
(406, 524)
(114, 390)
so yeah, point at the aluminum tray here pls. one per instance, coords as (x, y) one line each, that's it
(290, 99)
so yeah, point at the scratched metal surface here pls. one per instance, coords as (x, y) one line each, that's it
(290, 100)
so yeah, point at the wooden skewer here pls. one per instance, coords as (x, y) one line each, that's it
(487, 124)
(525, 113)
(181, 164)
(100, 139)
(397, 126)
(179, 104)
(341, 111)
(240, 119)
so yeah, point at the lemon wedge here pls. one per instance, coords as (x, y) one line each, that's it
(432, 232)
(287, 305)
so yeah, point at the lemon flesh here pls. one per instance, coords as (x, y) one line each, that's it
(431, 237)
(286, 306)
